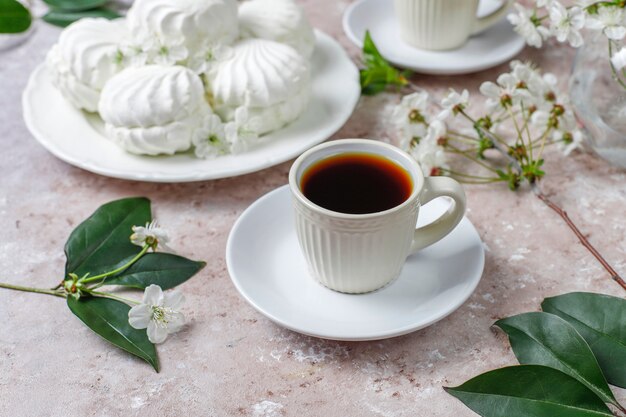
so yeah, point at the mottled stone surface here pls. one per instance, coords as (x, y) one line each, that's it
(231, 361)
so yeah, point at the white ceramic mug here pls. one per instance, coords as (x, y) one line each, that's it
(357, 253)
(442, 24)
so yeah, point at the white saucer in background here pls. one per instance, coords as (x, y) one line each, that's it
(492, 47)
(268, 269)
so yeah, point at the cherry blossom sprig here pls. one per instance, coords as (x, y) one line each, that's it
(111, 248)
(525, 113)
(550, 18)
(536, 113)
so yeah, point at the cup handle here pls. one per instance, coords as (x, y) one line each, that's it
(438, 187)
(482, 23)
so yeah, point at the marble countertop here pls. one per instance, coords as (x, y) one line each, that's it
(231, 361)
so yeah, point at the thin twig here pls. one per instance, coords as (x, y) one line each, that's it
(581, 237)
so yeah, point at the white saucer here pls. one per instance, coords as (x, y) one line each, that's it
(492, 47)
(77, 137)
(268, 269)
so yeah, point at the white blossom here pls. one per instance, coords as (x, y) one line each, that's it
(151, 234)
(238, 133)
(168, 52)
(566, 24)
(452, 102)
(158, 312)
(410, 117)
(210, 139)
(523, 24)
(568, 141)
(609, 19)
(130, 54)
(619, 59)
(504, 93)
(428, 152)
(207, 56)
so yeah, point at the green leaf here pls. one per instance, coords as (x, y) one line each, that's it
(163, 269)
(378, 73)
(109, 319)
(102, 242)
(601, 320)
(370, 50)
(14, 17)
(75, 5)
(62, 19)
(529, 391)
(546, 339)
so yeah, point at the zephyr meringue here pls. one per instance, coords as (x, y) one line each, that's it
(259, 73)
(277, 20)
(194, 21)
(84, 59)
(154, 109)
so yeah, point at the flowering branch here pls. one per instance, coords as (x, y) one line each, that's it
(524, 102)
(550, 18)
(102, 239)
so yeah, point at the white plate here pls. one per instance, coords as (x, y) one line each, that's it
(492, 47)
(77, 137)
(267, 267)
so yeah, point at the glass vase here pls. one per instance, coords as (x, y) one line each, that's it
(599, 100)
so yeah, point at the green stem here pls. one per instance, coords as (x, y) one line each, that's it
(476, 177)
(112, 296)
(454, 149)
(462, 136)
(31, 289)
(543, 144)
(118, 270)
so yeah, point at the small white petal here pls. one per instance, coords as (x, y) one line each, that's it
(153, 295)
(139, 316)
(176, 320)
(156, 332)
(173, 299)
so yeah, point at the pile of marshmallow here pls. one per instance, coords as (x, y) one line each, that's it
(175, 75)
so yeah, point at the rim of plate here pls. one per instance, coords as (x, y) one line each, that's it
(395, 332)
(432, 69)
(193, 175)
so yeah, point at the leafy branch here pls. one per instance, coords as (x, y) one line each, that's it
(568, 355)
(100, 254)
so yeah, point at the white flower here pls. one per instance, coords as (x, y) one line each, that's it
(150, 234)
(209, 55)
(238, 132)
(428, 152)
(566, 23)
(210, 139)
(430, 157)
(568, 141)
(609, 19)
(131, 54)
(505, 93)
(619, 59)
(169, 52)
(544, 3)
(410, 117)
(158, 312)
(524, 24)
(452, 103)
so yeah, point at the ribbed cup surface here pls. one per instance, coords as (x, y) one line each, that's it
(355, 255)
(436, 24)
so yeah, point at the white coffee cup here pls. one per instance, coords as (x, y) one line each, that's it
(358, 253)
(442, 24)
